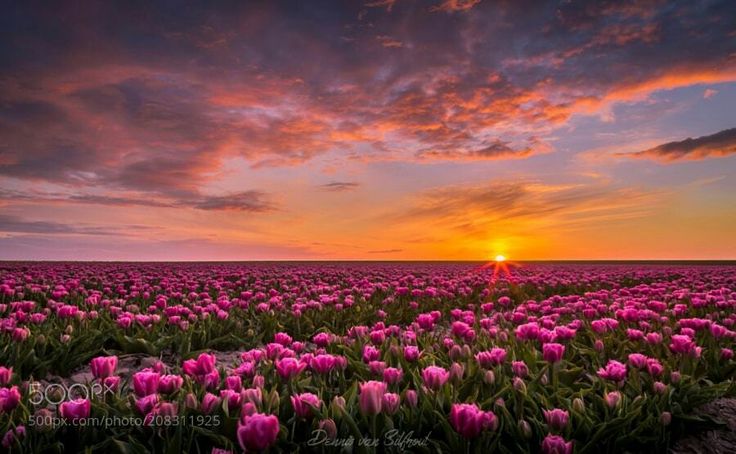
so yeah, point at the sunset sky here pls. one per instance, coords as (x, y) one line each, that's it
(386, 129)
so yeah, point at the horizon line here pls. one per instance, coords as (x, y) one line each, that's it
(654, 261)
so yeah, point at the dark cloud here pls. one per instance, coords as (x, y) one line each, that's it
(716, 145)
(252, 201)
(340, 186)
(14, 224)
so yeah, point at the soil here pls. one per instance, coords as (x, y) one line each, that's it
(715, 441)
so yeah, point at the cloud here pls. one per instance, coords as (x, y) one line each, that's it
(709, 93)
(251, 201)
(496, 149)
(385, 251)
(387, 41)
(160, 114)
(521, 206)
(340, 186)
(14, 224)
(455, 5)
(716, 145)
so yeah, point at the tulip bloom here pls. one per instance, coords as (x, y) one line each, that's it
(288, 368)
(258, 431)
(520, 369)
(145, 383)
(614, 371)
(554, 444)
(6, 374)
(103, 366)
(371, 397)
(390, 403)
(303, 404)
(203, 365)
(75, 409)
(434, 377)
(556, 418)
(469, 421)
(169, 384)
(552, 352)
(9, 399)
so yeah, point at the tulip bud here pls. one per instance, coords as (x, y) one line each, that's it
(519, 385)
(274, 399)
(190, 401)
(42, 418)
(411, 398)
(500, 402)
(665, 418)
(675, 377)
(578, 405)
(456, 372)
(612, 399)
(659, 387)
(338, 404)
(526, 429)
(544, 380)
(456, 353)
(467, 352)
(69, 329)
(489, 378)
(598, 345)
(328, 425)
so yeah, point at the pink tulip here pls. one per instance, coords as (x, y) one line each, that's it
(411, 398)
(411, 353)
(638, 360)
(614, 371)
(554, 444)
(371, 397)
(232, 398)
(9, 399)
(520, 369)
(145, 383)
(288, 368)
(203, 365)
(556, 418)
(169, 384)
(392, 375)
(304, 403)
(209, 403)
(258, 431)
(612, 399)
(435, 377)
(6, 374)
(75, 409)
(469, 421)
(552, 352)
(390, 403)
(103, 366)
(146, 404)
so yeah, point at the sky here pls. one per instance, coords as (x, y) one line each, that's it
(378, 130)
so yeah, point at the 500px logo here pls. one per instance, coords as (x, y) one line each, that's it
(56, 393)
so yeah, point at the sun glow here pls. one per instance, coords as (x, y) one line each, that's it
(500, 258)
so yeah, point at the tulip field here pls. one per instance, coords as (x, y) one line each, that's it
(361, 357)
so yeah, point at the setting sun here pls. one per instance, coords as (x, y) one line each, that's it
(500, 258)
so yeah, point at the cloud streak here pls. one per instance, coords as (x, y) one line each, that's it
(716, 145)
